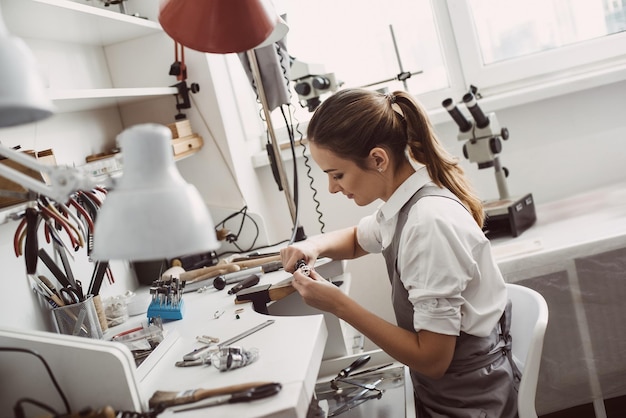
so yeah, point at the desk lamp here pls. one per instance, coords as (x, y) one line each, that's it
(507, 215)
(150, 212)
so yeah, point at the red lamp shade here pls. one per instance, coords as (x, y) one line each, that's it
(218, 26)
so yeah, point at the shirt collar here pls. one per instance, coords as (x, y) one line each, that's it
(391, 207)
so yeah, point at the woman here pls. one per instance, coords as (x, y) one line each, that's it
(448, 295)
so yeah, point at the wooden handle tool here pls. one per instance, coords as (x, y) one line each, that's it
(255, 262)
(195, 277)
(204, 272)
(166, 399)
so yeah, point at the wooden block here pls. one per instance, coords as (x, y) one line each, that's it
(180, 129)
(186, 145)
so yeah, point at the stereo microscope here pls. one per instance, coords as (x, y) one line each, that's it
(312, 81)
(483, 142)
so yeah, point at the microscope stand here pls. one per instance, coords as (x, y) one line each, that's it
(509, 216)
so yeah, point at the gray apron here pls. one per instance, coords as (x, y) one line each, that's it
(482, 380)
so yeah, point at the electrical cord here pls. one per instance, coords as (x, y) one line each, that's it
(296, 189)
(291, 130)
(18, 410)
(232, 238)
(307, 164)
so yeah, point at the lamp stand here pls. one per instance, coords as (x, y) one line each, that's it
(280, 168)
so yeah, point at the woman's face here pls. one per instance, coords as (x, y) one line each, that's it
(362, 186)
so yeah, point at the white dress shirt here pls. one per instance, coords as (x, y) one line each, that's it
(445, 261)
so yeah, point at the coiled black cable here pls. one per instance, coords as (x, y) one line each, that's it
(291, 130)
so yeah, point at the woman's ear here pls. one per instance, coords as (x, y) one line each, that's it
(379, 159)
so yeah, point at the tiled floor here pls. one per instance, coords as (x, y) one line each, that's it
(615, 408)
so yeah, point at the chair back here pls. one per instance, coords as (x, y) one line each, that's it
(528, 328)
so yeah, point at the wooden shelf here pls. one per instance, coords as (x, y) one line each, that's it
(71, 22)
(68, 21)
(89, 99)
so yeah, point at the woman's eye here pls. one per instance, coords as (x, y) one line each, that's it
(337, 176)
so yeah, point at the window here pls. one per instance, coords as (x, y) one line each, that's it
(508, 41)
(513, 51)
(368, 43)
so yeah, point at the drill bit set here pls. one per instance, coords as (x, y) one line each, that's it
(167, 299)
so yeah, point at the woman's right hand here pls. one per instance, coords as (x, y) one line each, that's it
(317, 292)
(303, 250)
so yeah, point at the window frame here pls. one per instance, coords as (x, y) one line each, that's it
(591, 56)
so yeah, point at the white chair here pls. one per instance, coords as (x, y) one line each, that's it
(528, 328)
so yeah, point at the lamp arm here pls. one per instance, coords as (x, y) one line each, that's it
(64, 180)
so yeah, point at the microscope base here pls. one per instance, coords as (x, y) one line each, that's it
(509, 216)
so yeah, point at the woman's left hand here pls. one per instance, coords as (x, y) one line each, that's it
(317, 291)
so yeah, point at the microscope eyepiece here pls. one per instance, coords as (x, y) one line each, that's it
(481, 120)
(321, 83)
(303, 89)
(461, 121)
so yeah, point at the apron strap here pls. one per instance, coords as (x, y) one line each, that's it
(505, 330)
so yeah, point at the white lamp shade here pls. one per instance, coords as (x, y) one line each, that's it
(23, 98)
(152, 212)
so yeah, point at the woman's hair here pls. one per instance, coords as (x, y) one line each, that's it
(352, 122)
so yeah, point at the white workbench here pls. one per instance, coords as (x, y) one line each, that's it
(290, 353)
(575, 256)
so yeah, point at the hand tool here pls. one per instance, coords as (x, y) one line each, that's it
(205, 272)
(54, 269)
(262, 294)
(255, 256)
(343, 373)
(163, 399)
(70, 295)
(358, 398)
(60, 250)
(221, 281)
(244, 284)
(97, 277)
(30, 250)
(258, 392)
(201, 355)
(246, 333)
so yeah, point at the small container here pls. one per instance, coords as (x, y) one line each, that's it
(116, 310)
(79, 319)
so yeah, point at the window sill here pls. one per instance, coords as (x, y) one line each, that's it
(541, 90)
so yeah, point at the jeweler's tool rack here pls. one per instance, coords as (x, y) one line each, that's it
(167, 299)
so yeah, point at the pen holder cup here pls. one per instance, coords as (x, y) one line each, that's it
(78, 319)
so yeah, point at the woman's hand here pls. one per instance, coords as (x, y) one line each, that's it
(317, 292)
(303, 250)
